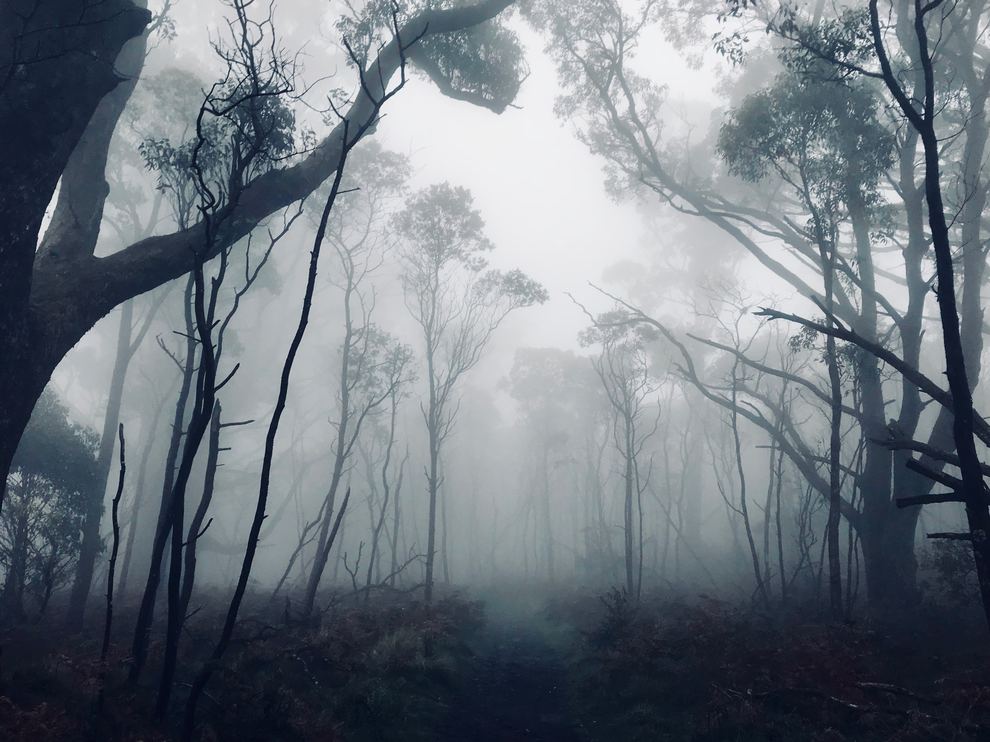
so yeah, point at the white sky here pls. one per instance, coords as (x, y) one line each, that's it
(539, 189)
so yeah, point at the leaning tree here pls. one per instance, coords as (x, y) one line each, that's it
(67, 71)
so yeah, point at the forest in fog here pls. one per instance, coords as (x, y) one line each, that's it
(556, 370)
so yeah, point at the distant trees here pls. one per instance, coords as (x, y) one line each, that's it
(625, 371)
(376, 368)
(373, 366)
(52, 485)
(841, 146)
(550, 385)
(829, 148)
(384, 479)
(458, 305)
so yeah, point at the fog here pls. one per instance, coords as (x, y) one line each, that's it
(438, 358)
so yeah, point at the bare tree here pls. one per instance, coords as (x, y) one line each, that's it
(625, 371)
(242, 130)
(458, 305)
(391, 482)
(372, 363)
(349, 139)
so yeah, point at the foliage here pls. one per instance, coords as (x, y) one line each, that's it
(616, 621)
(443, 229)
(483, 64)
(252, 133)
(449, 293)
(609, 103)
(513, 287)
(382, 363)
(546, 374)
(382, 673)
(824, 137)
(53, 482)
(706, 671)
(618, 328)
(243, 127)
(377, 674)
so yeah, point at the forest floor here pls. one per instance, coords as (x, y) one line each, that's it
(514, 687)
(523, 664)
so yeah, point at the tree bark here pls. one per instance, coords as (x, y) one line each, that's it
(146, 613)
(196, 527)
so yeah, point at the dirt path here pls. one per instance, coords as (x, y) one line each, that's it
(515, 689)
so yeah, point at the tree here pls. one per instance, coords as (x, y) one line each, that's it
(458, 306)
(971, 490)
(548, 384)
(73, 68)
(375, 369)
(826, 143)
(373, 365)
(126, 221)
(53, 482)
(920, 105)
(620, 114)
(625, 371)
(350, 138)
(243, 128)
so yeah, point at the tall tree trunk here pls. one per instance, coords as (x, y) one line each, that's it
(545, 515)
(396, 525)
(136, 505)
(743, 497)
(972, 489)
(240, 589)
(444, 555)
(627, 509)
(386, 495)
(432, 484)
(91, 540)
(827, 249)
(199, 421)
(341, 452)
(146, 613)
(196, 525)
(59, 88)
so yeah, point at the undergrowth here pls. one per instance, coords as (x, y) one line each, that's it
(367, 674)
(706, 671)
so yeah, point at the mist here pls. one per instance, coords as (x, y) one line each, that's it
(493, 370)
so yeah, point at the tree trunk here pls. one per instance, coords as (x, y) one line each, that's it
(146, 613)
(432, 486)
(545, 514)
(196, 527)
(91, 541)
(627, 509)
(828, 258)
(136, 505)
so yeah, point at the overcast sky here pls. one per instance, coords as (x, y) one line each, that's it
(539, 189)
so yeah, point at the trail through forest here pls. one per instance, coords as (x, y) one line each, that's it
(515, 687)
